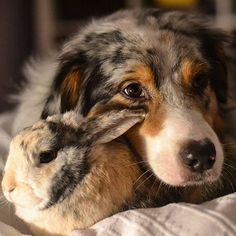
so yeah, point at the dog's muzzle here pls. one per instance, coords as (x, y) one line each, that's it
(186, 151)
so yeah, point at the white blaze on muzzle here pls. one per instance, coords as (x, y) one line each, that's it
(163, 149)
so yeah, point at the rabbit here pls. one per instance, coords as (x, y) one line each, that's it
(66, 173)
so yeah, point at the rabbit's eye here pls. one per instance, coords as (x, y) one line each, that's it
(48, 156)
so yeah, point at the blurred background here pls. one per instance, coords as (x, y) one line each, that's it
(32, 27)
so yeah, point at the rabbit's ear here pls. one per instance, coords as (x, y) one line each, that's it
(110, 125)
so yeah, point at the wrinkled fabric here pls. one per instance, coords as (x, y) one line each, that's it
(217, 217)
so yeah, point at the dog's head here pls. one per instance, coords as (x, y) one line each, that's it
(170, 63)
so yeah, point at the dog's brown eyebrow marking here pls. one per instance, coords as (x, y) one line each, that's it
(142, 73)
(190, 69)
(130, 72)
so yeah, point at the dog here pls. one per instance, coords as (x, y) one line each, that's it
(170, 63)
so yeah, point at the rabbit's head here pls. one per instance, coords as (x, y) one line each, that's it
(48, 160)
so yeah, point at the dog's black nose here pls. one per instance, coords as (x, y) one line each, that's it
(198, 155)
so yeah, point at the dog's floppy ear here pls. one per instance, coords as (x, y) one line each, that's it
(65, 89)
(69, 78)
(69, 89)
(214, 44)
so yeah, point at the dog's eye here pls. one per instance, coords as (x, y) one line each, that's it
(134, 90)
(200, 82)
(48, 156)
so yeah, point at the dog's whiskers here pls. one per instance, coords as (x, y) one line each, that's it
(143, 174)
(136, 163)
(229, 144)
(228, 175)
(129, 165)
(154, 183)
(229, 166)
(161, 184)
(144, 181)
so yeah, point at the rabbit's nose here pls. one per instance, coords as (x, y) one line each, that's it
(8, 185)
(9, 188)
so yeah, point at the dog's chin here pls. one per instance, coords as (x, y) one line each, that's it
(207, 177)
(190, 178)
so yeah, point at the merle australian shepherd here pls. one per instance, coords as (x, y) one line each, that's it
(170, 63)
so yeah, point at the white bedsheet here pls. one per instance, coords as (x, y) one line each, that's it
(217, 217)
(214, 218)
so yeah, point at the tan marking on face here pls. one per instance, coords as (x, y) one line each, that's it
(70, 88)
(155, 114)
(190, 69)
(152, 124)
(141, 74)
(155, 117)
(144, 76)
(150, 127)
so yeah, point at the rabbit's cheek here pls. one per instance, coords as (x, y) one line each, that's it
(23, 196)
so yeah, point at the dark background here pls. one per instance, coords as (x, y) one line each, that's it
(16, 42)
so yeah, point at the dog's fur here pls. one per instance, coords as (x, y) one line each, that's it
(181, 65)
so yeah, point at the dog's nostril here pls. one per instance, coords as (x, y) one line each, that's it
(198, 155)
